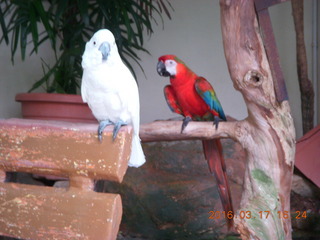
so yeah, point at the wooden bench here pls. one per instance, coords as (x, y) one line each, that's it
(66, 150)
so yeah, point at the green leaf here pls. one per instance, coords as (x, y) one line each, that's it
(42, 40)
(3, 26)
(83, 9)
(14, 45)
(163, 5)
(23, 40)
(43, 15)
(34, 28)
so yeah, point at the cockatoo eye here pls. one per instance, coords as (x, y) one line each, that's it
(94, 43)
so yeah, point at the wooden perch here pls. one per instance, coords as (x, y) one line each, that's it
(171, 131)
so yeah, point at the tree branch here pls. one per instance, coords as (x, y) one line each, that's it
(267, 135)
(306, 88)
(171, 131)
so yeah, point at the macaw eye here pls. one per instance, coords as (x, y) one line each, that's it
(94, 43)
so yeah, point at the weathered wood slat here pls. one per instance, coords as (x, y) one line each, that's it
(67, 150)
(34, 212)
(63, 149)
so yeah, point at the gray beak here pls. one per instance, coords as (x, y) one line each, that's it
(105, 50)
(161, 69)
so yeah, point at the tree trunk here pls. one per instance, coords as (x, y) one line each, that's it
(306, 88)
(267, 134)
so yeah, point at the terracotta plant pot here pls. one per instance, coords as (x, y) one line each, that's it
(54, 106)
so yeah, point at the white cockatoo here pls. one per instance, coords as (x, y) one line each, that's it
(110, 90)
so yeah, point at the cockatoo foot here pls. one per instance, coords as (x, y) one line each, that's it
(116, 128)
(102, 126)
(185, 122)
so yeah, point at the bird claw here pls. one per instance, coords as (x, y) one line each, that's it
(116, 129)
(216, 121)
(185, 122)
(102, 126)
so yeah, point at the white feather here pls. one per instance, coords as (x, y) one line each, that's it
(110, 89)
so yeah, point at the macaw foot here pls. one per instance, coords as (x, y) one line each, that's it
(102, 126)
(185, 122)
(116, 129)
(216, 121)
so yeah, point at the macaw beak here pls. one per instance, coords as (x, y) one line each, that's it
(105, 50)
(161, 69)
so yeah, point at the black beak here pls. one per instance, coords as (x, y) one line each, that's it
(161, 69)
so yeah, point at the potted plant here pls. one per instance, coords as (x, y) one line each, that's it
(67, 25)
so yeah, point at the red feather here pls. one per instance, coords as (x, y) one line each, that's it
(213, 153)
(171, 99)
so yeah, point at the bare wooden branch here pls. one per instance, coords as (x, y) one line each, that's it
(171, 131)
(306, 88)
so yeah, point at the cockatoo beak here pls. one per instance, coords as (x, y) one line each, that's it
(105, 50)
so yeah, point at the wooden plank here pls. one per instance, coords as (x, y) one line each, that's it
(63, 149)
(33, 212)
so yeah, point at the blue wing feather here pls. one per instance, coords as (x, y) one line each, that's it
(205, 90)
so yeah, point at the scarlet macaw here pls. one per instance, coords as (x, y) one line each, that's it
(194, 98)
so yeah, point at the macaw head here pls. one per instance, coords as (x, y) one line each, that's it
(99, 48)
(170, 66)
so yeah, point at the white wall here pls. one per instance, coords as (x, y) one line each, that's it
(194, 35)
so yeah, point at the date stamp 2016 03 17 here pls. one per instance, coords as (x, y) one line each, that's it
(260, 214)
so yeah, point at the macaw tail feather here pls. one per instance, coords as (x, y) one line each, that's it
(213, 153)
(137, 157)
